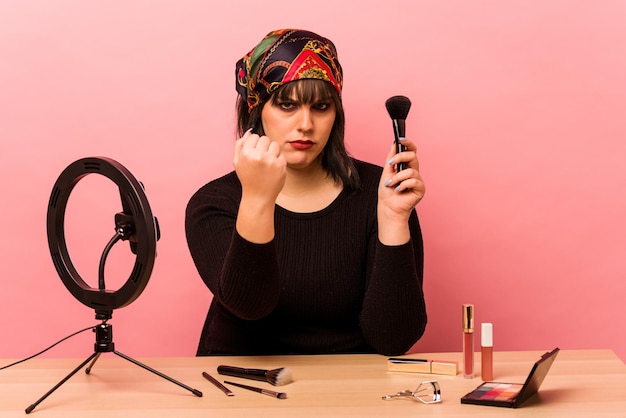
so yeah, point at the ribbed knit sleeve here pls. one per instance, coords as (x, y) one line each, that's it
(243, 276)
(394, 311)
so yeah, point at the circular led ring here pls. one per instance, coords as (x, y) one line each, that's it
(145, 233)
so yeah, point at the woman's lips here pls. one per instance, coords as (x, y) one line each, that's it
(301, 145)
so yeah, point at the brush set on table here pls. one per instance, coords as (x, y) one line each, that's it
(275, 377)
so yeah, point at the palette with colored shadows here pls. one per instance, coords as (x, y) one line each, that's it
(512, 395)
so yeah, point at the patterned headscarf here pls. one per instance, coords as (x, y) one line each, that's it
(282, 56)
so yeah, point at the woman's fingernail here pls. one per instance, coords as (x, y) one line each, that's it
(391, 160)
(388, 182)
(401, 139)
(246, 132)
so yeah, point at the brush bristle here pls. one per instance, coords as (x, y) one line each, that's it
(279, 377)
(398, 107)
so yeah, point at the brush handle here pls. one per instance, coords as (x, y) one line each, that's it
(217, 384)
(254, 374)
(398, 130)
(273, 394)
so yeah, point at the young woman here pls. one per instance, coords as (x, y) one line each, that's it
(305, 249)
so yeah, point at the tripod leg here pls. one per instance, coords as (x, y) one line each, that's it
(158, 373)
(88, 369)
(33, 406)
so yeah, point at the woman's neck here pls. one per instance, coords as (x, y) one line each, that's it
(308, 190)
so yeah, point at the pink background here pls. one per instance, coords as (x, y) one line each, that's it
(518, 110)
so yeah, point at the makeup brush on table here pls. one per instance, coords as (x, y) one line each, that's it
(276, 377)
(277, 395)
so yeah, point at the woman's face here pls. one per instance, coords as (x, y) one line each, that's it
(301, 129)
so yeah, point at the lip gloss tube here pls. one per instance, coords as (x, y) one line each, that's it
(486, 351)
(468, 341)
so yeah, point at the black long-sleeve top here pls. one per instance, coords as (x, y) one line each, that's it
(324, 284)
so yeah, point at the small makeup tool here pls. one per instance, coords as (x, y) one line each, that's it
(278, 395)
(276, 377)
(468, 341)
(512, 395)
(414, 365)
(217, 384)
(425, 390)
(486, 351)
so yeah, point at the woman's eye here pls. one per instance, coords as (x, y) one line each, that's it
(321, 106)
(286, 105)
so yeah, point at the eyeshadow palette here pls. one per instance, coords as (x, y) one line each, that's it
(512, 395)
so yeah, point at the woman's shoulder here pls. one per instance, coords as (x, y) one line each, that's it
(226, 187)
(227, 181)
(367, 167)
(369, 173)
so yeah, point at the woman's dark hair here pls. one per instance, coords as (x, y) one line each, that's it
(335, 158)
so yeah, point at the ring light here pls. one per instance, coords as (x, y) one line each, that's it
(135, 224)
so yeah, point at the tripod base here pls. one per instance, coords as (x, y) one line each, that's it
(104, 344)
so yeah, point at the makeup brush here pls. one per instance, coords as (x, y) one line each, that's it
(276, 377)
(279, 395)
(398, 108)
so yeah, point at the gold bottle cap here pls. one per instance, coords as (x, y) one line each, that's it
(468, 318)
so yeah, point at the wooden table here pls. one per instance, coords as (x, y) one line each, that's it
(581, 383)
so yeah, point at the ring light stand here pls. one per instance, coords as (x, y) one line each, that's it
(135, 224)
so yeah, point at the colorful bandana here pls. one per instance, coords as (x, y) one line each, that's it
(282, 56)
